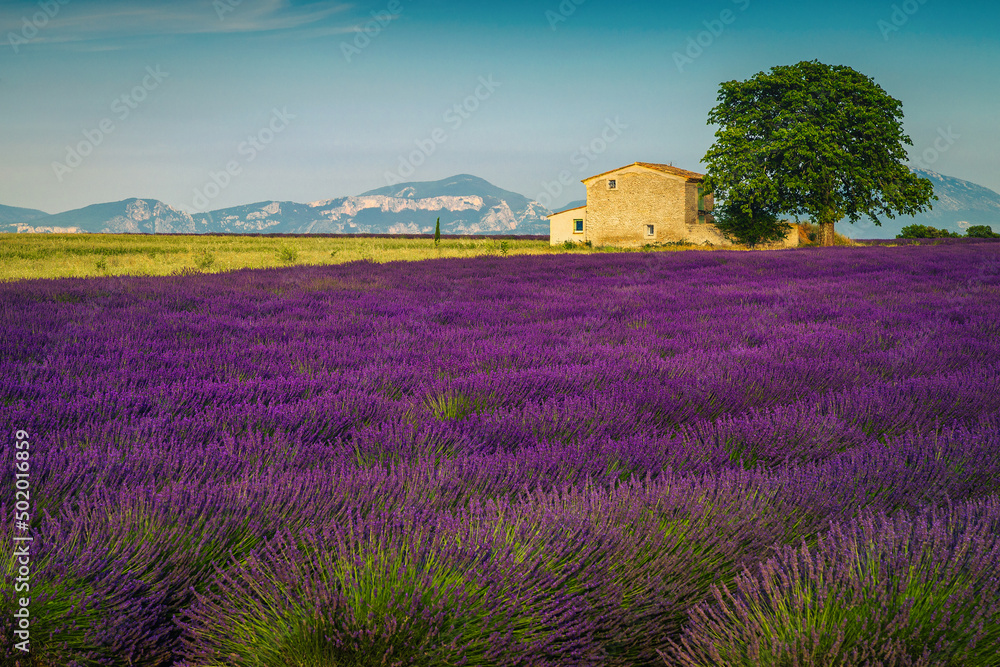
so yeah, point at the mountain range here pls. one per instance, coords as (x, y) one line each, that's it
(465, 204)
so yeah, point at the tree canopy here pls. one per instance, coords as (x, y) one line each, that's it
(981, 232)
(917, 231)
(824, 141)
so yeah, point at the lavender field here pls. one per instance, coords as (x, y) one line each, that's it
(699, 458)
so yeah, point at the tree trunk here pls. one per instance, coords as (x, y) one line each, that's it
(827, 232)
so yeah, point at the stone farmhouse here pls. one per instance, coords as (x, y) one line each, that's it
(639, 204)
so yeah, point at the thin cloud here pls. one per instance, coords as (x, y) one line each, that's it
(83, 21)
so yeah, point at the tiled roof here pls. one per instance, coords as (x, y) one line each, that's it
(665, 168)
(668, 169)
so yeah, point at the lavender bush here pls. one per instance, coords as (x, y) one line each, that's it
(398, 589)
(522, 460)
(906, 590)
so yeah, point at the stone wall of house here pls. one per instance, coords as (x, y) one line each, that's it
(620, 217)
(690, 203)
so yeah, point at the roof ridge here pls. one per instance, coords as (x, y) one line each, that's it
(566, 210)
(655, 166)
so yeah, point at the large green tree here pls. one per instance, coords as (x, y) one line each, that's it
(823, 141)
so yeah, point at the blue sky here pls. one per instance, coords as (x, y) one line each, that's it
(206, 104)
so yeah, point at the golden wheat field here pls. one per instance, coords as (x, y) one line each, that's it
(89, 255)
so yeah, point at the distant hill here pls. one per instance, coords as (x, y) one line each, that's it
(267, 217)
(130, 216)
(9, 214)
(466, 205)
(960, 204)
(462, 185)
(572, 204)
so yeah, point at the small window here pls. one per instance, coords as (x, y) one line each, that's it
(649, 230)
(578, 226)
(612, 184)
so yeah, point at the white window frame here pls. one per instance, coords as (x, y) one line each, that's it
(580, 230)
(650, 231)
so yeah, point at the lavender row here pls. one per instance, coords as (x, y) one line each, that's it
(597, 438)
(509, 408)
